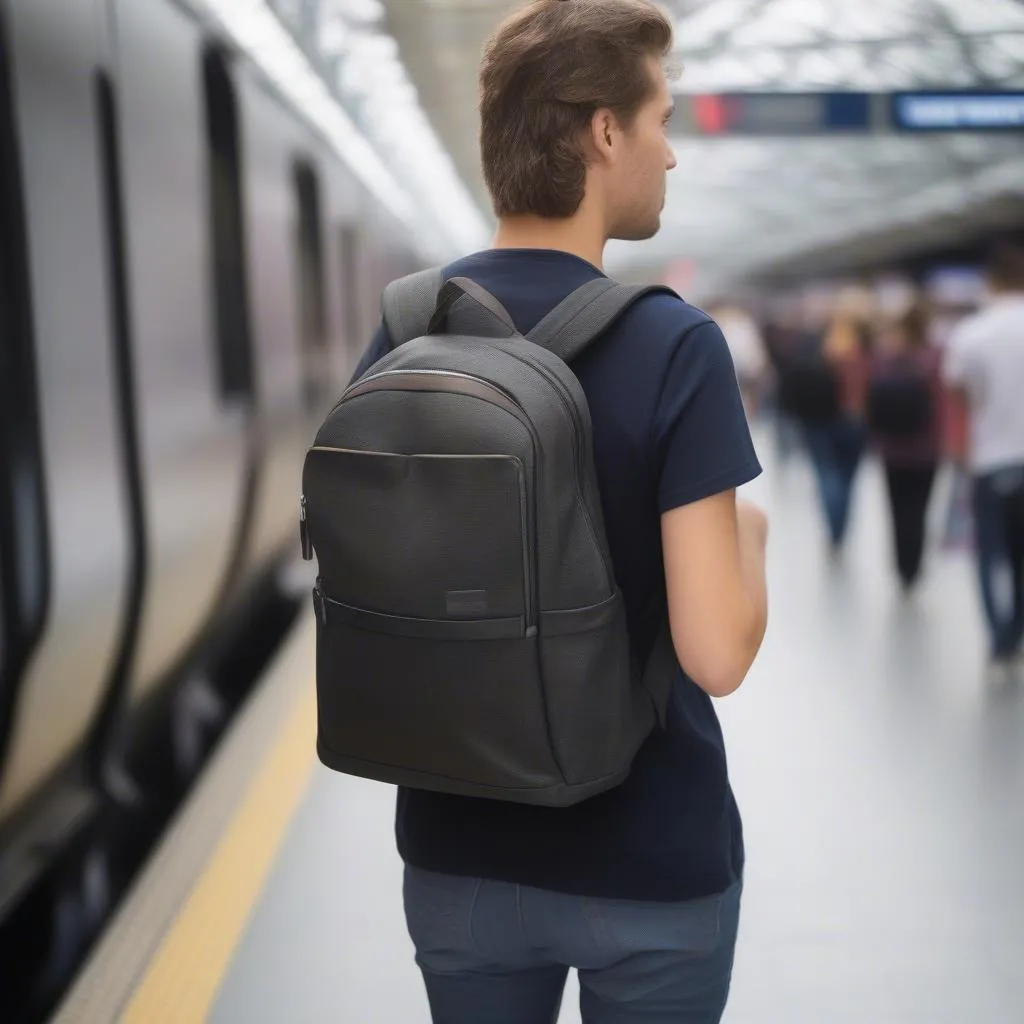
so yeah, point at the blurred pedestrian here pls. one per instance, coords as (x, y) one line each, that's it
(904, 401)
(985, 368)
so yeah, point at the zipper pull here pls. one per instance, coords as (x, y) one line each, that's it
(304, 539)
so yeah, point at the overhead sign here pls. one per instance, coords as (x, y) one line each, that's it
(779, 113)
(835, 113)
(958, 111)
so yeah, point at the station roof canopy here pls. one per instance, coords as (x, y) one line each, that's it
(739, 203)
(735, 204)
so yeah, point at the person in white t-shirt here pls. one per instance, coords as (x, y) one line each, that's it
(984, 367)
(749, 356)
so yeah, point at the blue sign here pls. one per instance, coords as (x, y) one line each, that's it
(958, 111)
(783, 114)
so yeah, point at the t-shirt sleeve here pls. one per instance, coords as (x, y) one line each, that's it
(701, 437)
(378, 349)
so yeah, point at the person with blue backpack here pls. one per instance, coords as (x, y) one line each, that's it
(534, 573)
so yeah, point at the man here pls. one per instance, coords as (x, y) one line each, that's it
(638, 888)
(985, 369)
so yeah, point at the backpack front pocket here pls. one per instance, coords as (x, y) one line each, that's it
(432, 537)
(445, 704)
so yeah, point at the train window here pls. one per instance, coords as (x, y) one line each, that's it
(312, 308)
(350, 293)
(227, 224)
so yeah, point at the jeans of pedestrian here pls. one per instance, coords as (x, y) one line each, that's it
(497, 953)
(835, 448)
(999, 540)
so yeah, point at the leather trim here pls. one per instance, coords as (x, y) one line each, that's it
(579, 620)
(441, 381)
(424, 629)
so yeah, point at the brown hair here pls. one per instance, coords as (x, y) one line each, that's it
(1006, 267)
(546, 71)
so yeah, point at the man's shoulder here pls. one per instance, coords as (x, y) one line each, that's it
(666, 305)
(666, 320)
(978, 326)
(679, 341)
(965, 334)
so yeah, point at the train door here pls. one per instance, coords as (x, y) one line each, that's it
(192, 394)
(66, 508)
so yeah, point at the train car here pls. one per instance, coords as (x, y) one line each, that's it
(188, 273)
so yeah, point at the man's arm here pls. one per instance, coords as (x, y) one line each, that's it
(714, 552)
(713, 545)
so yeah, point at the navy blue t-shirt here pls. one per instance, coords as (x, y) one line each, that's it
(669, 429)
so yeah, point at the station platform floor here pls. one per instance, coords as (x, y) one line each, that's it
(878, 765)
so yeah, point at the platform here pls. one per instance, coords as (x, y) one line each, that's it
(878, 767)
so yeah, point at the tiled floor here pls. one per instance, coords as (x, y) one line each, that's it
(881, 778)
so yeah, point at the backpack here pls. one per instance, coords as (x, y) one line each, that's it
(808, 382)
(471, 638)
(809, 390)
(900, 404)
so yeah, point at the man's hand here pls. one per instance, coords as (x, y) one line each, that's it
(714, 553)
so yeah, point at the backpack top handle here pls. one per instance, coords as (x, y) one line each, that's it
(419, 304)
(453, 290)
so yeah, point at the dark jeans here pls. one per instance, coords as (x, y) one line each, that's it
(835, 449)
(999, 529)
(910, 488)
(497, 953)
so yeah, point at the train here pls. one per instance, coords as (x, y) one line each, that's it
(189, 273)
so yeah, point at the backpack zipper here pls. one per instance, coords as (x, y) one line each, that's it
(304, 539)
(362, 386)
(320, 602)
(504, 400)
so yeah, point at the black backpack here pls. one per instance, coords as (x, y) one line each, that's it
(900, 404)
(471, 638)
(809, 384)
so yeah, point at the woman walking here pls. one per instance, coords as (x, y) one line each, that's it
(827, 392)
(903, 410)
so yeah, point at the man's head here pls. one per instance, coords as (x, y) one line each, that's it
(1006, 269)
(574, 105)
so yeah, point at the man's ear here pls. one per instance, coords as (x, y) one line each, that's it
(603, 128)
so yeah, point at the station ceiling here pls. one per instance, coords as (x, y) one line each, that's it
(741, 203)
(405, 74)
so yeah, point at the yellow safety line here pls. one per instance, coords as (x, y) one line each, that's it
(185, 975)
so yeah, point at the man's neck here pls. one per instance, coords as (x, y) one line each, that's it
(573, 235)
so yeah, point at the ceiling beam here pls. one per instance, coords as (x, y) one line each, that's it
(964, 44)
(714, 49)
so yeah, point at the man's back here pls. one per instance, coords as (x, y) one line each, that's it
(669, 429)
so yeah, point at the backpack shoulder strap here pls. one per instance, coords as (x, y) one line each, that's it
(586, 314)
(409, 303)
